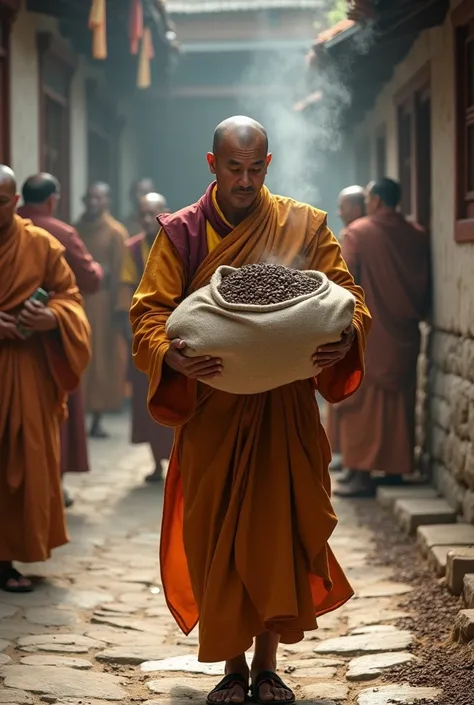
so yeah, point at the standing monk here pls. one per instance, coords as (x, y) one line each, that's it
(105, 239)
(247, 514)
(390, 258)
(138, 189)
(144, 429)
(40, 363)
(351, 206)
(41, 194)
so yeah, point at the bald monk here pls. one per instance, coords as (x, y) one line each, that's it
(40, 363)
(247, 514)
(105, 238)
(139, 188)
(144, 429)
(351, 205)
(390, 258)
(41, 194)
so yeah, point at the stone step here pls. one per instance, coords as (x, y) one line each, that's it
(444, 535)
(459, 563)
(412, 513)
(438, 557)
(387, 496)
(464, 626)
(468, 592)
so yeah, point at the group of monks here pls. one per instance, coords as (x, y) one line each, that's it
(101, 266)
(247, 509)
(372, 434)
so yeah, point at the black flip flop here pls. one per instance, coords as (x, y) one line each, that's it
(275, 682)
(228, 682)
(12, 574)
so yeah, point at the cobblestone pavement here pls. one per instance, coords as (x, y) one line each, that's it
(97, 629)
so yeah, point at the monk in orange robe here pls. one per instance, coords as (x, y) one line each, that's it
(40, 363)
(351, 205)
(144, 428)
(247, 514)
(104, 237)
(390, 258)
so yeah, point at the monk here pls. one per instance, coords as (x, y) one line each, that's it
(105, 239)
(247, 514)
(41, 194)
(390, 258)
(138, 189)
(44, 349)
(144, 429)
(351, 205)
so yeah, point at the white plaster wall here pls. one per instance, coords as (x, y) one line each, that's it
(453, 263)
(79, 165)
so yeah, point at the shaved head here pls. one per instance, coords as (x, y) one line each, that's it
(101, 187)
(7, 179)
(243, 130)
(38, 188)
(151, 205)
(351, 204)
(8, 199)
(140, 188)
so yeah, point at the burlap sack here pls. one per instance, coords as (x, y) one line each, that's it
(261, 347)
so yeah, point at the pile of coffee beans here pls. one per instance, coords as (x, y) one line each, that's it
(262, 284)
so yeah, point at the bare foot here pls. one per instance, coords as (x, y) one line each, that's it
(272, 689)
(234, 687)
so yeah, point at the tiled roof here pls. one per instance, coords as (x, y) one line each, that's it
(207, 6)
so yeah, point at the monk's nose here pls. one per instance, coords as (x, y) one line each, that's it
(245, 180)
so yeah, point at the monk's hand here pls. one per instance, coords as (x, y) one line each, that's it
(37, 317)
(192, 367)
(332, 353)
(8, 329)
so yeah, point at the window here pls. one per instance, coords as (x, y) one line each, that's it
(413, 105)
(463, 20)
(57, 66)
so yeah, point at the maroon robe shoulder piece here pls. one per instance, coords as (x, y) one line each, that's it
(134, 245)
(187, 231)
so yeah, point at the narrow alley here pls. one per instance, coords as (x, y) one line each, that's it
(97, 628)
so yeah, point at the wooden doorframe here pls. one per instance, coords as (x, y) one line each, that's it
(8, 13)
(55, 50)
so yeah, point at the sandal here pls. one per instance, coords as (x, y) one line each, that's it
(228, 682)
(275, 682)
(12, 574)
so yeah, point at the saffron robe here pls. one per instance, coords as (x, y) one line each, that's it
(390, 259)
(144, 428)
(35, 377)
(247, 513)
(133, 225)
(104, 381)
(74, 452)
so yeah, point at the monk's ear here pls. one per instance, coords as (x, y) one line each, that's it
(211, 160)
(17, 198)
(268, 160)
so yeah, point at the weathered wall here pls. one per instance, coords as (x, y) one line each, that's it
(449, 358)
(25, 137)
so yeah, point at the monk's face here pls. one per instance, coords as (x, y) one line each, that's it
(8, 203)
(96, 202)
(240, 169)
(148, 212)
(348, 210)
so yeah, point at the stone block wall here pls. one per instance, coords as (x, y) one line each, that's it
(450, 419)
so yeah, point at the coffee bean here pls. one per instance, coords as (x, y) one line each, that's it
(263, 284)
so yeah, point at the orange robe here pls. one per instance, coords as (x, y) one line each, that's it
(104, 382)
(247, 513)
(35, 377)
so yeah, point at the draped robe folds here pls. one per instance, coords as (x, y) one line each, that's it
(390, 259)
(104, 381)
(144, 428)
(247, 513)
(35, 377)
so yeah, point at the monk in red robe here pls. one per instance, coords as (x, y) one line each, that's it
(351, 205)
(44, 349)
(390, 259)
(247, 514)
(41, 194)
(144, 428)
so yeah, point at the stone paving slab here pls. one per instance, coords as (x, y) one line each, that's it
(444, 535)
(370, 643)
(387, 496)
(368, 668)
(412, 513)
(402, 694)
(61, 681)
(438, 557)
(459, 562)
